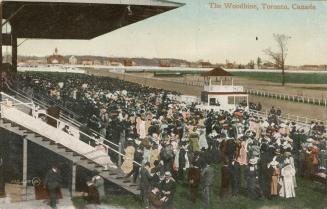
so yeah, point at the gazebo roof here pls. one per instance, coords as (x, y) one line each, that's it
(216, 72)
(78, 19)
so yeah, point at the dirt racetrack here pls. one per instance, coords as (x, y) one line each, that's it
(297, 109)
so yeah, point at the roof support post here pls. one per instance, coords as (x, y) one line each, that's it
(73, 186)
(14, 50)
(2, 179)
(1, 34)
(25, 144)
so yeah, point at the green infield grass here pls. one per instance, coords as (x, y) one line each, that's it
(305, 78)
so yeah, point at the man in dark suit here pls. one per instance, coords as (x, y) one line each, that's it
(53, 113)
(2, 182)
(235, 171)
(193, 178)
(52, 182)
(145, 183)
(207, 175)
(168, 187)
(225, 180)
(92, 197)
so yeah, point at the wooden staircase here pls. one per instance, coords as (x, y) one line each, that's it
(70, 150)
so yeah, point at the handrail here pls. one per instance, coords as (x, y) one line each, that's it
(58, 104)
(39, 101)
(80, 132)
(43, 104)
(67, 119)
(58, 121)
(52, 100)
(26, 105)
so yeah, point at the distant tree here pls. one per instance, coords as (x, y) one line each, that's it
(251, 64)
(240, 66)
(259, 62)
(278, 57)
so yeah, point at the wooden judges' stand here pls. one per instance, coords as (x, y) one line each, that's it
(220, 93)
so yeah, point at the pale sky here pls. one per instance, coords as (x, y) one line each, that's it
(197, 31)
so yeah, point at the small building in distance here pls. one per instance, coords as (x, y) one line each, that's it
(97, 62)
(164, 63)
(230, 65)
(56, 58)
(310, 67)
(73, 60)
(206, 64)
(323, 67)
(113, 62)
(129, 62)
(87, 62)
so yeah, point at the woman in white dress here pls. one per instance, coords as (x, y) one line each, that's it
(288, 172)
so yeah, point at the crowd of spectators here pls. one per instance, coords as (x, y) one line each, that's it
(176, 142)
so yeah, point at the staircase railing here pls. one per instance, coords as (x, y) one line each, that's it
(72, 120)
(42, 103)
(31, 109)
(64, 109)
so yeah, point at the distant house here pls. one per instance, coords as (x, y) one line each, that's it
(195, 65)
(310, 67)
(106, 62)
(230, 65)
(323, 67)
(35, 61)
(206, 64)
(97, 62)
(73, 60)
(184, 65)
(56, 58)
(164, 63)
(87, 62)
(113, 63)
(128, 62)
(291, 67)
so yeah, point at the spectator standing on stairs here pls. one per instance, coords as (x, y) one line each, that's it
(54, 112)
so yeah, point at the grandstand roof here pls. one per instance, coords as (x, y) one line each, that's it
(78, 19)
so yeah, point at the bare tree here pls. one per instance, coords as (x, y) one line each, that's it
(279, 57)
